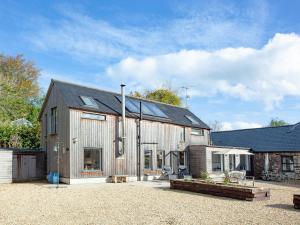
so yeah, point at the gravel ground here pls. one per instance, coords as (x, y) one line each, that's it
(139, 203)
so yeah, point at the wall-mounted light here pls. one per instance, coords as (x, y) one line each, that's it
(74, 140)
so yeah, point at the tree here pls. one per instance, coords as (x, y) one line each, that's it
(164, 95)
(19, 91)
(12, 104)
(18, 87)
(136, 94)
(20, 74)
(216, 125)
(277, 123)
(35, 108)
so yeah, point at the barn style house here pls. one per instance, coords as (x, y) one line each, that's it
(276, 149)
(91, 135)
(88, 139)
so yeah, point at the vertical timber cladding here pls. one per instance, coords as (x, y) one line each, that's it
(88, 133)
(48, 141)
(161, 136)
(104, 134)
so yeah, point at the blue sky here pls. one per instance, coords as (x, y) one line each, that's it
(240, 59)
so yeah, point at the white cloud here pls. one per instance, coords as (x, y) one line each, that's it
(239, 125)
(267, 74)
(85, 38)
(92, 81)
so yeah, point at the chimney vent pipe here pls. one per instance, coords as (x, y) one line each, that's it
(123, 118)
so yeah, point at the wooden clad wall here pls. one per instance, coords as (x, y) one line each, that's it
(93, 134)
(104, 134)
(48, 140)
(6, 166)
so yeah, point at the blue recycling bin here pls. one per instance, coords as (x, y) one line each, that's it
(50, 177)
(55, 178)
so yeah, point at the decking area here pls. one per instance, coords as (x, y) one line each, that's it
(139, 203)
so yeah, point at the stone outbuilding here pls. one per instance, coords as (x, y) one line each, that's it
(276, 149)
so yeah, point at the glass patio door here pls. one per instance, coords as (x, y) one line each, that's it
(232, 162)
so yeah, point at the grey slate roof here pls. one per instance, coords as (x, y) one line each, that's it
(108, 103)
(267, 139)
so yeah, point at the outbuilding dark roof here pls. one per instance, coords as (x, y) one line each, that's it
(267, 139)
(108, 103)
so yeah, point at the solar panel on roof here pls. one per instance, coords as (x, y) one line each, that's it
(156, 110)
(150, 109)
(131, 106)
(145, 109)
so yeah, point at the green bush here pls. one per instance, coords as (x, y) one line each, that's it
(227, 178)
(204, 175)
(20, 136)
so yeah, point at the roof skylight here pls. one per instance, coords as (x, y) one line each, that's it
(192, 119)
(88, 101)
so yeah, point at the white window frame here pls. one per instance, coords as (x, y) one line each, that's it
(197, 132)
(100, 158)
(163, 158)
(150, 161)
(53, 120)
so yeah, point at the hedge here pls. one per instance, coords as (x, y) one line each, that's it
(20, 136)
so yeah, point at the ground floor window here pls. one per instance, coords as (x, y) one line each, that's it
(245, 162)
(232, 162)
(287, 163)
(160, 159)
(92, 159)
(148, 159)
(217, 162)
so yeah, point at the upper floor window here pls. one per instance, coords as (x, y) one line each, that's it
(182, 135)
(93, 116)
(88, 101)
(287, 163)
(198, 132)
(53, 121)
(46, 125)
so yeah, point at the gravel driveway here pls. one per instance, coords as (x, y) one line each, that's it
(139, 203)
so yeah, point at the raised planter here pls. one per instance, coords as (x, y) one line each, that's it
(230, 191)
(296, 201)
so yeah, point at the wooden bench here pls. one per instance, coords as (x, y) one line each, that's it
(223, 190)
(119, 178)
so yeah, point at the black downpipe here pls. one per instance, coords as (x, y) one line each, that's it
(139, 145)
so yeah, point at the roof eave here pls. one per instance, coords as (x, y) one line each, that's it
(46, 99)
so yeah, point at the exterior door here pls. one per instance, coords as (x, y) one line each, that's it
(31, 166)
(148, 158)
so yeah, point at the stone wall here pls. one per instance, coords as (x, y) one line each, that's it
(275, 163)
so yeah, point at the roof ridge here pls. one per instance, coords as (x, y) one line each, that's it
(98, 89)
(290, 125)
